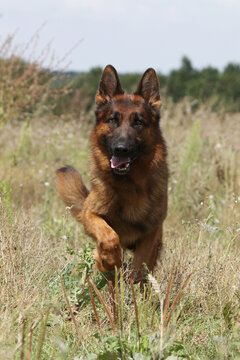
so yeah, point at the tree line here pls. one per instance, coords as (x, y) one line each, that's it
(223, 87)
(26, 87)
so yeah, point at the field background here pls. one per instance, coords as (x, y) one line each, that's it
(45, 123)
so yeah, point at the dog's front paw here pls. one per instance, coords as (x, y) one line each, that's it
(109, 253)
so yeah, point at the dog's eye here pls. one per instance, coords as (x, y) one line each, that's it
(138, 123)
(113, 121)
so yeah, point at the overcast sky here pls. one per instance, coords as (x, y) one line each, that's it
(132, 35)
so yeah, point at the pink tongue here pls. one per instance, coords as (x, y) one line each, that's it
(118, 161)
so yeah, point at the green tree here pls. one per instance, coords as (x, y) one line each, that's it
(178, 80)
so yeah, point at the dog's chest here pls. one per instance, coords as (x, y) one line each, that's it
(131, 220)
(128, 214)
(132, 206)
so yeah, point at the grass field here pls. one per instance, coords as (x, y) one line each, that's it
(45, 254)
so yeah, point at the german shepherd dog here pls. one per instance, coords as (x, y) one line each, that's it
(127, 203)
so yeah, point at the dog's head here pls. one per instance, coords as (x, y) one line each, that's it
(126, 125)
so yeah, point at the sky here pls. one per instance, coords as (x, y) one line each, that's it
(132, 35)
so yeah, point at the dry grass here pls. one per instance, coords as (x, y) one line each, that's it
(39, 239)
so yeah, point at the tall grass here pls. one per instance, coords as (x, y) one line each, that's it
(54, 305)
(39, 240)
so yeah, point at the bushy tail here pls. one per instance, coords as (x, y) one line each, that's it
(72, 189)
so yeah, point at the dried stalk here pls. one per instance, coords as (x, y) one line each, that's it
(176, 299)
(161, 326)
(117, 298)
(30, 342)
(135, 308)
(42, 336)
(69, 307)
(155, 301)
(121, 298)
(148, 301)
(94, 306)
(112, 300)
(168, 293)
(104, 305)
(23, 339)
(75, 349)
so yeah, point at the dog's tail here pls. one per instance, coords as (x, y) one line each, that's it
(72, 189)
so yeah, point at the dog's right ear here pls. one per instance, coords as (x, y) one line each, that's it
(109, 85)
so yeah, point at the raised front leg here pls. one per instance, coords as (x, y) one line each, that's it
(146, 252)
(108, 253)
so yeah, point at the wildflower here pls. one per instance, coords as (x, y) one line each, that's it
(210, 228)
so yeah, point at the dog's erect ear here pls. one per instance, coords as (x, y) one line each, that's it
(109, 85)
(148, 88)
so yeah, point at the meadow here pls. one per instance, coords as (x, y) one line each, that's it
(41, 244)
(53, 303)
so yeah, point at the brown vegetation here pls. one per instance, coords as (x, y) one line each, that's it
(201, 237)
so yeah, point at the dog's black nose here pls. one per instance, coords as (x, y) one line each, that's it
(121, 149)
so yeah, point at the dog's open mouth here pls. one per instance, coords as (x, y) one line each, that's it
(120, 165)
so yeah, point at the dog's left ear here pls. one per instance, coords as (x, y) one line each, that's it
(109, 85)
(148, 88)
